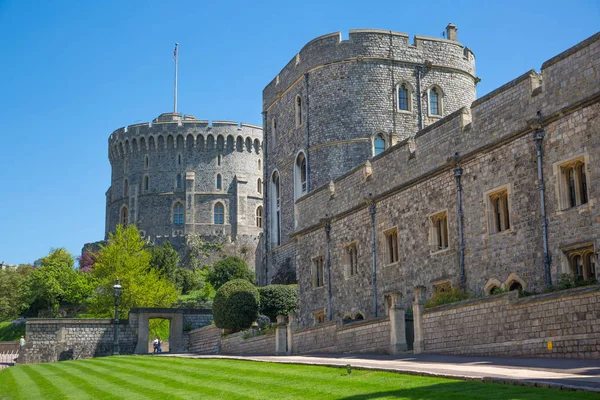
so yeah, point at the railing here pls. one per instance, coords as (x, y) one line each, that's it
(7, 358)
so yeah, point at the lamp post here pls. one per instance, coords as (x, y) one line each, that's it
(117, 289)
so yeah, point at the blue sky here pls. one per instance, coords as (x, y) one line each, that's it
(74, 71)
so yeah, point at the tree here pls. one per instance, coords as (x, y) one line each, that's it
(125, 256)
(165, 260)
(87, 260)
(12, 303)
(56, 282)
(278, 300)
(227, 269)
(236, 305)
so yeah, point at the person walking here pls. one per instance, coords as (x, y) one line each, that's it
(159, 345)
(22, 342)
(155, 344)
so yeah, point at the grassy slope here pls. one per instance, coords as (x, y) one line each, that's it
(129, 377)
(9, 332)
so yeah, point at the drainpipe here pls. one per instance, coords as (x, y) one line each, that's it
(373, 211)
(419, 105)
(461, 240)
(307, 136)
(266, 212)
(327, 233)
(539, 137)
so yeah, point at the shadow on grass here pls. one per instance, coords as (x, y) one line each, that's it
(473, 391)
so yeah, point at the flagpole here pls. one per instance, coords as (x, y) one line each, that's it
(175, 56)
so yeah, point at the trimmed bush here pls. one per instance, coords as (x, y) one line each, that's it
(236, 305)
(278, 300)
(227, 269)
(452, 296)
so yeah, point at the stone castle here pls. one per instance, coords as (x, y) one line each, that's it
(180, 175)
(383, 173)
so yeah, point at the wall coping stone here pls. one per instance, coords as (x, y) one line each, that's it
(469, 302)
(317, 327)
(74, 321)
(356, 324)
(204, 328)
(558, 294)
(172, 310)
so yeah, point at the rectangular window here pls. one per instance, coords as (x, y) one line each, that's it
(319, 316)
(498, 210)
(351, 259)
(442, 287)
(572, 183)
(403, 98)
(438, 231)
(582, 262)
(391, 245)
(317, 271)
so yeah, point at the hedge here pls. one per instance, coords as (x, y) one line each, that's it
(236, 305)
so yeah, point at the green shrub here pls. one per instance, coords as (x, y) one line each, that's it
(278, 300)
(498, 290)
(569, 281)
(236, 305)
(451, 296)
(228, 269)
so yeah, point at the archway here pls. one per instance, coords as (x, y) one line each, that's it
(158, 330)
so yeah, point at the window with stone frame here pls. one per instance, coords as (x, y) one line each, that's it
(219, 182)
(379, 144)
(146, 162)
(178, 182)
(582, 263)
(219, 214)
(124, 217)
(146, 183)
(259, 216)
(259, 185)
(125, 188)
(438, 231)
(275, 217)
(298, 111)
(178, 213)
(498, 208)
(391, 245)
(404, 97)
(273, 131)
(317, 271)
(442, 287)
(219, 160)
(300, 175)
(351, 259)
(319, 316)
(573, 183)
(435, 102)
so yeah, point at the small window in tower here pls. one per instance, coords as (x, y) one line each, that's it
(259, 166)
(179, 184)
(378, 144)
(126, 188)
(124, 220)
(259, 185)
(178, 214)
(298, 111)
(391, 245)
(259, 217)
(434, 102)
(146, 162)
(219, 159)
(146, 184)
(403, 99)
(178, 159)
(219, 214)
(219, 182)
(274, 132)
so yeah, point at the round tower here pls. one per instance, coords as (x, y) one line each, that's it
(180, 175)
(338, 103)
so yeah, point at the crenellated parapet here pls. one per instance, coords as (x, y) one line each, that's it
(177, 132)
(373, 44)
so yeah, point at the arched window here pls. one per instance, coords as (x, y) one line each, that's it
(219, 159)
(435, 107)
(220, 143)
(124, 220)
(259, 166)
(298, 111)
(274, 131)
(126, 166)
(146, 162)
(146, 183)
(300, 175)
(179, 184)
(259, 185)
(403, 98)
(126, 188)
(219, 212)
(275, 210)
(178, 214)
(378, 145)
(259, 217)
(219, 182)
(178, 159)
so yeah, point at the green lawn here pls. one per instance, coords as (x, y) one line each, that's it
(146, 377)
(10, 332)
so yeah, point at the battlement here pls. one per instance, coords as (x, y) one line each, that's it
(372, 44)
(183, 130)
(566, 81)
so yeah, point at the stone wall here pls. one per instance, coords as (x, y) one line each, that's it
(493, 144)
(49, 340)
(317, 339)
(236, 344)
(505, 325)
(8, 347)
(364, 337)
(206, 340)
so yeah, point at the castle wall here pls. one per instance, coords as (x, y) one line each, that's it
(191, 149)
(493, 142)
(348, 94)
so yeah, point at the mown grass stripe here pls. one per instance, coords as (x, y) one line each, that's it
(160, 379)
(47, 388)
(90, 384)
(136, 388)
(15, 384)
(261, 380)
(69, 384)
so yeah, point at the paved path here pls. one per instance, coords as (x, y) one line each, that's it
(544, 372)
